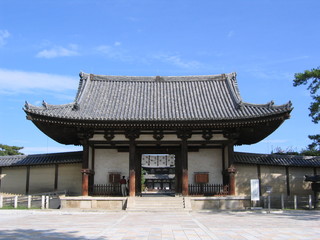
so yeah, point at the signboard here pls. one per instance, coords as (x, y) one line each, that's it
(255, 193)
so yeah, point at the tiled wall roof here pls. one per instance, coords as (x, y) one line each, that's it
(240, 158)
(40, 159)
(277, 160)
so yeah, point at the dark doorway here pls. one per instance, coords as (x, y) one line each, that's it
(157, 172)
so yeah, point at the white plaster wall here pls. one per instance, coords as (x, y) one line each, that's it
(206, 160)
(70, 179)
(13, 180)
(296, 180)
(41, 179)
(109, 160)
(274, 176)
(244, 174)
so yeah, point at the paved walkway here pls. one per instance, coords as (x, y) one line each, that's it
(76, 225)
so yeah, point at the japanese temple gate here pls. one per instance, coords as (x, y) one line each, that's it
(117, 119)
(138, 142)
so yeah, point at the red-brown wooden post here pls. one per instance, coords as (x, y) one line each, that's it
(232, 180)
(86, 171)
(85, 182)
(132, 134)
(184, 135)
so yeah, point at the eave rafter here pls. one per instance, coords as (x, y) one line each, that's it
(215, 124)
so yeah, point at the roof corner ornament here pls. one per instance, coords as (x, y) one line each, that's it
(26, 105)
(158, 79)
(233, 76)
(289, 104)
(240, 105)
(81, 74)
(76, 106)
(44, 104)
(270, 104)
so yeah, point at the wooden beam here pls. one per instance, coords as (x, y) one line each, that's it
(288, 181)
(132, 169)
(85, 169)
(259, 177)
(27, 180)
(132, 134)
(56, 176)
(184, 135)
(232, 180)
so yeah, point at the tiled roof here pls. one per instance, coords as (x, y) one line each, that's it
(181, 98)
(239, 157)
(40, 159)
(277, 160)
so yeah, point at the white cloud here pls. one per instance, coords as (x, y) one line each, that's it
(4, 34)
(114, 52)
(12, 81)
(231, 34)
(58, 51)
(177, 61)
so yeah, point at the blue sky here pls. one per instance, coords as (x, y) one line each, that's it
(45, 44)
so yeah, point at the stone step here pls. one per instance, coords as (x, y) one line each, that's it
(156, 204)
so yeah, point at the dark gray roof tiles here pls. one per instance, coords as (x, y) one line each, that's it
(277, 160)
(123, 98)
(239, 157)
(41, 159)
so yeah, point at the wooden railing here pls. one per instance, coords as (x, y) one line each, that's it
(105, 190)
(208, 189)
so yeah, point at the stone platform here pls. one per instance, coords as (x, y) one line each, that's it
(157, 203)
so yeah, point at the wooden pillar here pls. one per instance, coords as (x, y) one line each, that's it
(85, 169)
(232, 180)
(184, 135)
(56, 175)
(84, 136)
(27, 180)
(231, 170)
(184, 165)
(259, 177)
(132, 168)
(132, 134)
(288, 181)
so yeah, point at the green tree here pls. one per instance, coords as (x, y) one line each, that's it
(312, 78)
(9, 150)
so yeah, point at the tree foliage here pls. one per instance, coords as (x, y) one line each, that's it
(290, 151)
(10, 150)
(312, 79)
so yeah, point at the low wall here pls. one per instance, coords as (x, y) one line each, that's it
(220, 203)
(194, 203)
(105, 203)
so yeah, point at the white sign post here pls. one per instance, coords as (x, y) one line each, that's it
(255, 193)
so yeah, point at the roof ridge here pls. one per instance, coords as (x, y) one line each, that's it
(279, 155)
(125, 78)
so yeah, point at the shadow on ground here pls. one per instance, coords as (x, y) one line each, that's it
(41, 234)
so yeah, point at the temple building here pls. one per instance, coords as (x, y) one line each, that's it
(174, 132)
